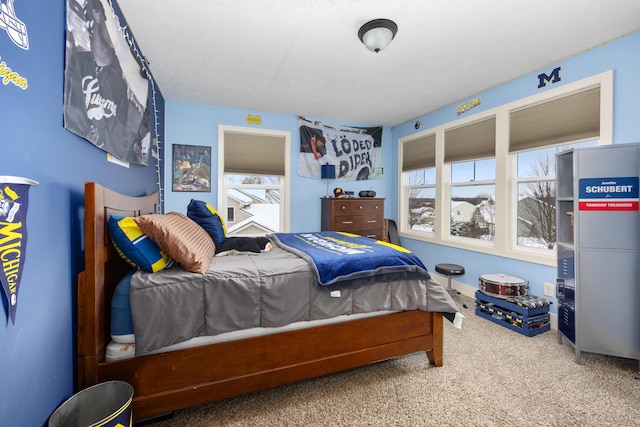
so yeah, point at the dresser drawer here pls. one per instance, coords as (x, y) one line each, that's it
(359, 222)
(356, 207)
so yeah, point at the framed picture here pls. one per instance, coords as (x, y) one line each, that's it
(191, 168)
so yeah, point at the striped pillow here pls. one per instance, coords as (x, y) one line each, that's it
(180, 237)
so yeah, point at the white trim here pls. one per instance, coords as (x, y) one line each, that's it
(286, 196)
(505, 173)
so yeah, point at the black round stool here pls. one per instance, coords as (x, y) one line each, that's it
(452, 270)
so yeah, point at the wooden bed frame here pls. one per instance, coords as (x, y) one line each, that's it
(179, 379)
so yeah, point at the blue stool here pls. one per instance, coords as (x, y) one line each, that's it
(452, 270)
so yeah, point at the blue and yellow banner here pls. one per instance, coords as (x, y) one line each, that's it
(14, 202)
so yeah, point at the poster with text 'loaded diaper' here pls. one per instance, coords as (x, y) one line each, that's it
(355, 152)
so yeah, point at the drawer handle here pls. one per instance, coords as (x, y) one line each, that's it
(372, 221)
(344, 207)
(347, 222)
(360, 206)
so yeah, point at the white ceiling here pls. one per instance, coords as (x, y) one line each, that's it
(303, 57)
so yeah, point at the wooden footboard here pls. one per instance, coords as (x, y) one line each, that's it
(179, 379)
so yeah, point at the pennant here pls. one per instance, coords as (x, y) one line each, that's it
(14, 202)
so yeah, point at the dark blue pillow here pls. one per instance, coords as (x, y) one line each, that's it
(208, 218)
(121, 321)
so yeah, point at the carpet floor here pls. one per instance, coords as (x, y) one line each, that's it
(491, 376)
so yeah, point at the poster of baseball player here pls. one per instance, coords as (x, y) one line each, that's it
(105, 85)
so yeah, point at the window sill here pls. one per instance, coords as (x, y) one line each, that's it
(533, 256)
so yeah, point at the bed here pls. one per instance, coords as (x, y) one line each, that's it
(165, 381)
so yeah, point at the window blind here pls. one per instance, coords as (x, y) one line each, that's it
(470, 142)
(254, 154)
(419, 153)
(570, 118)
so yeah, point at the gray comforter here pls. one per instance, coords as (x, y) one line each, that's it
(268, 289)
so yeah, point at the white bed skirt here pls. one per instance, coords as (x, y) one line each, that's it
(118, 351)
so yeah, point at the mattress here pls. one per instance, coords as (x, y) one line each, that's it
(261, 290)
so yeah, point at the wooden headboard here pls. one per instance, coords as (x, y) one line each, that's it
(103, 270)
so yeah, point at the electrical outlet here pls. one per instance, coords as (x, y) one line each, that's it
(549, 289)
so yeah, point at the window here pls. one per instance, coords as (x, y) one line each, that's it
(419, 176)
(470, 155)
(421, 193)
(487, 181)
(253, 180)
(472, 201)
(255, 200)
(536, 199)
(535, 133)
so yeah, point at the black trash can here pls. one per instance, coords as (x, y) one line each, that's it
(106, 404)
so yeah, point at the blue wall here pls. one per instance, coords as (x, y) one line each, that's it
(37, 354)
(197, 124)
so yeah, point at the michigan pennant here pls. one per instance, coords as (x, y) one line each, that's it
(14, 201)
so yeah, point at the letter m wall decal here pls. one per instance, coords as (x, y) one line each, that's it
(553, 78)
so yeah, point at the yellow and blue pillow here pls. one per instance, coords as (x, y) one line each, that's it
(208, 218)
(135, 247)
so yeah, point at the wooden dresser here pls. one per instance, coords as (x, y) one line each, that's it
(364, 216)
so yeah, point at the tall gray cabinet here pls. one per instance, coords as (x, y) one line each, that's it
(598, 247)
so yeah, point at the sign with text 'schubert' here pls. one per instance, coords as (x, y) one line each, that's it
(609, 194)
(14, 202)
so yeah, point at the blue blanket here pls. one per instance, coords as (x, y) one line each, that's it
(344, 258)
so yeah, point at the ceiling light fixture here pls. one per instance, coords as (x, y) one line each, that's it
(377, 34)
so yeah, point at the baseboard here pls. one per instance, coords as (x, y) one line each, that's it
(470, 292)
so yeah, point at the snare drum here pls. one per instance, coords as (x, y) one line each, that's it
(503, 285)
